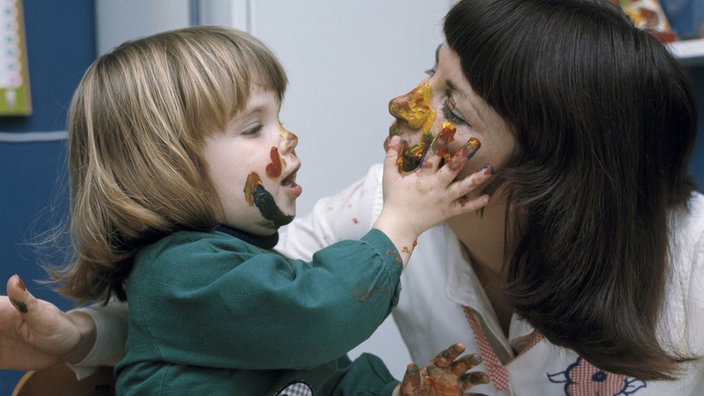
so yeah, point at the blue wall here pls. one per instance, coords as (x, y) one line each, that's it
(60, 44)
(697, 165)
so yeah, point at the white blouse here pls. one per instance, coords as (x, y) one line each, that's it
(439, 288)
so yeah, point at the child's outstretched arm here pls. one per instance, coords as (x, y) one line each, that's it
(420, 199)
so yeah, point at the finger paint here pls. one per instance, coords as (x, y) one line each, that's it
(472, 146)
(441, 381)
(442, 141)
(257, 195)
(22, 307)
(291, 138)
(415, 108)
(273, 170)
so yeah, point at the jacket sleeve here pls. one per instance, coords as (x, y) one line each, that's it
(194, 306)
(366, 376)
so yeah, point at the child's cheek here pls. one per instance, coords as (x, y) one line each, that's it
(273, 169)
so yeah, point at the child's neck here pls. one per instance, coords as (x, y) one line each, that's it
(264, 242)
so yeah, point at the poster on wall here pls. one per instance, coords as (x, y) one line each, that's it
(14, 73)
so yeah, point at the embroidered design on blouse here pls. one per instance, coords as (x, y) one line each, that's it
(582, 378)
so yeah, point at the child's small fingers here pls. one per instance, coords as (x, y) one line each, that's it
(473, 378)
(465, 363)
(446, 357)
(465, 204)
(469, 183)
(442, 141)
(411, 381)
(461, 156)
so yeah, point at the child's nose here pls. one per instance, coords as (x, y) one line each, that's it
(414, 108)
(289, 141)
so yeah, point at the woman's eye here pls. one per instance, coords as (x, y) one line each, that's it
(449, 110)
(434, 69)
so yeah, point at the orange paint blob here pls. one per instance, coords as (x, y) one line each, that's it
(274, 168)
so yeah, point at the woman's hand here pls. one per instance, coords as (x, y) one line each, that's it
(35, 334)
(444, 376)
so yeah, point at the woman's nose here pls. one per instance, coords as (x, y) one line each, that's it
(289, 141)
(414, 108)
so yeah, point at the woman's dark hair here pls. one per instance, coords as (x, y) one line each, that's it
(605, 121)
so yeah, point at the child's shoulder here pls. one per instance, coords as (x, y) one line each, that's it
(185, 246)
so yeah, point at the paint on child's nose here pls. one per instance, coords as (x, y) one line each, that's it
(291, 138)
(257, 195)
(273, 170)
(415, 108)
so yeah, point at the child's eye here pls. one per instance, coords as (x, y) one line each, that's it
(254, 130)
(449, 110)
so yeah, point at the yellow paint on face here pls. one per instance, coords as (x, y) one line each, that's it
(415, 109)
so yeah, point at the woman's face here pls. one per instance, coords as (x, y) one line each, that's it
(445, 100)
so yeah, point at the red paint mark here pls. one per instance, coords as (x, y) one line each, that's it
(274, 168)
(355, 220)
(367, 295)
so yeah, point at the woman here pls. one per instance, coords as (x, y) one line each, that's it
(585, 274)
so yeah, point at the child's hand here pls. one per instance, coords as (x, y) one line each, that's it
(417, 200)
(444, 376)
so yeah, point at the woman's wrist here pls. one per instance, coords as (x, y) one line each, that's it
(87, 331)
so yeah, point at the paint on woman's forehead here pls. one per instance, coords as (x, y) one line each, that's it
(257, 195)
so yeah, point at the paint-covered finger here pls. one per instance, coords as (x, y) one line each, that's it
(470, 182)
(461, 156)
(411, 381)
(473, 378)
(446, 357)
(440, 144)
(465, 363)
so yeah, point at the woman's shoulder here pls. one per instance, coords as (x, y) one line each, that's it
(687, 224)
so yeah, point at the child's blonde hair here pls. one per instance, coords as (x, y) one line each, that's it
(136, 127)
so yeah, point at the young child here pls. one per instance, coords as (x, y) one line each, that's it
(181, 174)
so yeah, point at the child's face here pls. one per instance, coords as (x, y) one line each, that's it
(253, 165)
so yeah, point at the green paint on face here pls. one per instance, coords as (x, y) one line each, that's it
(257, 195)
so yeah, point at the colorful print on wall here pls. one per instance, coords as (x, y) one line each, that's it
(14, 72)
